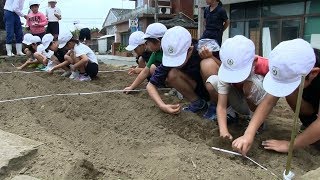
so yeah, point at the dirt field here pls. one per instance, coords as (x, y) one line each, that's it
(118, 136)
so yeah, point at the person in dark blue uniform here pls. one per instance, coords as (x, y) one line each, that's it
(216, 21)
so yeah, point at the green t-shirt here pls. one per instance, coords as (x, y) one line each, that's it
(156, 57)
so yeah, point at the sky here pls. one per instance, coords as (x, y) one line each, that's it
(91, 13)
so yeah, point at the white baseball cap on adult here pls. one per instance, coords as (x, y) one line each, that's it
(155, 30)
(237, 56)
(64, 38)
(135, 39)
(46, 40)
(52, 1)
(175, 44)
(288, 62)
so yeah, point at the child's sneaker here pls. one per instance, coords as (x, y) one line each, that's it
(211, 113)
(83, 77)
(74, 75)
(196, 106)
(66, 74)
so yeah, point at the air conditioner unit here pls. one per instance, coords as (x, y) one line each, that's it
(164, 10)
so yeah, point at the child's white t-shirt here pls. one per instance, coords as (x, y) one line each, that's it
(50, 14)
(81, 49)
(41, 50)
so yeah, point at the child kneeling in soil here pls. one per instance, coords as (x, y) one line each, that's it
(83, 61)
(180, 69)
(59, 53)
(34, 58)
(288, 62)
(153, 36)
(239, 81)
(138, 45)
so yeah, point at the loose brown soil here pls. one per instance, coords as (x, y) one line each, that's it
(119, 136)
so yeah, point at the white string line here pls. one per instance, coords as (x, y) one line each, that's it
(77, 94)
(31, 72)
(238, 154)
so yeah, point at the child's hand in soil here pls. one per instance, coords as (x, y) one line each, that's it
(243, 144)
(226, 136)
(171, 108)
(276, 145)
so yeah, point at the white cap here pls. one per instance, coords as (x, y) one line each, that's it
(36, 39)
(64, 38)
(237, 56)
(52, 1)
(155, 30)
(288, 62)
(175, 44)
(46, 40)
(135, 40)
(27, 39)
(33, 2)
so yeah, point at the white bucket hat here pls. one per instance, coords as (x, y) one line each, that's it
(27, 39)
(135, 40)
(237, 56)
(64, 38)
(46, 40)
(288, 62)
(175, 44)
(155, 30)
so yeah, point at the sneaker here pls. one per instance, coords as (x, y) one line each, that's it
(211, 113)
(66, 74)
(83, 77)
(196, 106)
(74, 75)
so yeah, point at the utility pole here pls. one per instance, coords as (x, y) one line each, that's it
(157, 10)
(201, 5)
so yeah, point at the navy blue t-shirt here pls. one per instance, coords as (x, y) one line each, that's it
(215, 19)
(214, 23)
(191, 68)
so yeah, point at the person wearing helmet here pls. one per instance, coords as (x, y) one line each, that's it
(36, 20)
(12, 11)
(53, 14)
(153, 36)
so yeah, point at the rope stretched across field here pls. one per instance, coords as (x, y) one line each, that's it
(78, 94)
(32, 72)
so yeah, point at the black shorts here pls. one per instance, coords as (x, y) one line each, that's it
(307, 120)
(85, 34)
(53, 28)
(40, 35)
(92, 69)
(60, 54)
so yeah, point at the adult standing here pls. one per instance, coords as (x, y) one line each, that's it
(12, 11)
(216, 21)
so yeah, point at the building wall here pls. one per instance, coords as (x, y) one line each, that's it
(121, 28)
(185, 6)
(110, 19)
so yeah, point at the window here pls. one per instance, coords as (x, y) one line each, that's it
(237, 12)
(282, 8)
(313, 6)
(140, 3)
(311, 26)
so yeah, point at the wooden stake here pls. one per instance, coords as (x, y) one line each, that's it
(294, 127)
